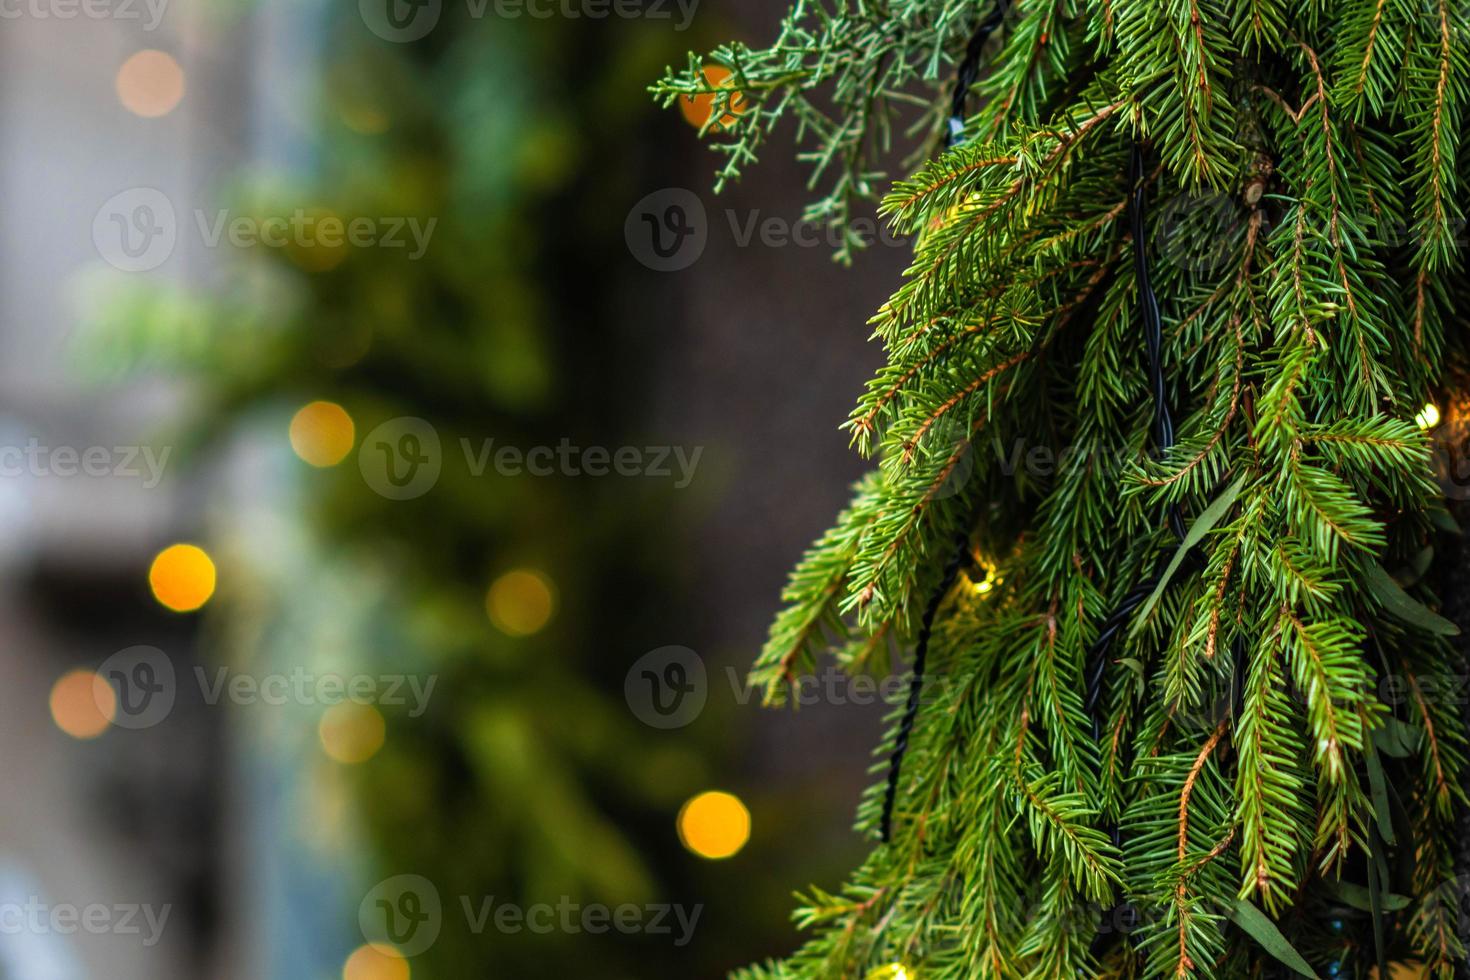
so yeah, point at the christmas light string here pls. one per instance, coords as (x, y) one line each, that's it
(968, 71)
(1162, 430)
(916, 679)
(964, 78)
(1163, 433)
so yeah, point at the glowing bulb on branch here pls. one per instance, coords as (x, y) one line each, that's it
(893, 971)
(1428, 417)
(984, 585)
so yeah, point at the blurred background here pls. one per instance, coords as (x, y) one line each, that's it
(401, 454)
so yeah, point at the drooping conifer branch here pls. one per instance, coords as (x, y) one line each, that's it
(1269, 738)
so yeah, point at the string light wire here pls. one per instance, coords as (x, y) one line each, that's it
(1162, 430)
(965, 76)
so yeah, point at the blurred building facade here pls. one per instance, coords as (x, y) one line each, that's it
(753, 353)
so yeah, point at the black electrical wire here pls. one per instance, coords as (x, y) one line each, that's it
(1163, 431)
(916, 681)
(964, 78)
(1153, 324)
(969, 70)
(1163, 437)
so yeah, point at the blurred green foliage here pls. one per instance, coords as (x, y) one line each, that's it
(527, 779)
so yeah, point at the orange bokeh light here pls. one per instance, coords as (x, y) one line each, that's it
(182, 577)
(322, 433)
(351, 733)
(698, 108)
(714, 824)
(150, 84)
(520, 602)
(83, 704)
(375, 961)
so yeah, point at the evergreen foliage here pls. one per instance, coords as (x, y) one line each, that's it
(1281, 774)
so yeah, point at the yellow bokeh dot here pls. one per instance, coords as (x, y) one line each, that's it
(698, 108)
(150, 84)
(322, 433)
(375, 961)
(892, 971)
(714, 824)
(1428, 416)
(352, 732)
(83, 704)
(983, 584)
(520, 603)
(182, 577)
